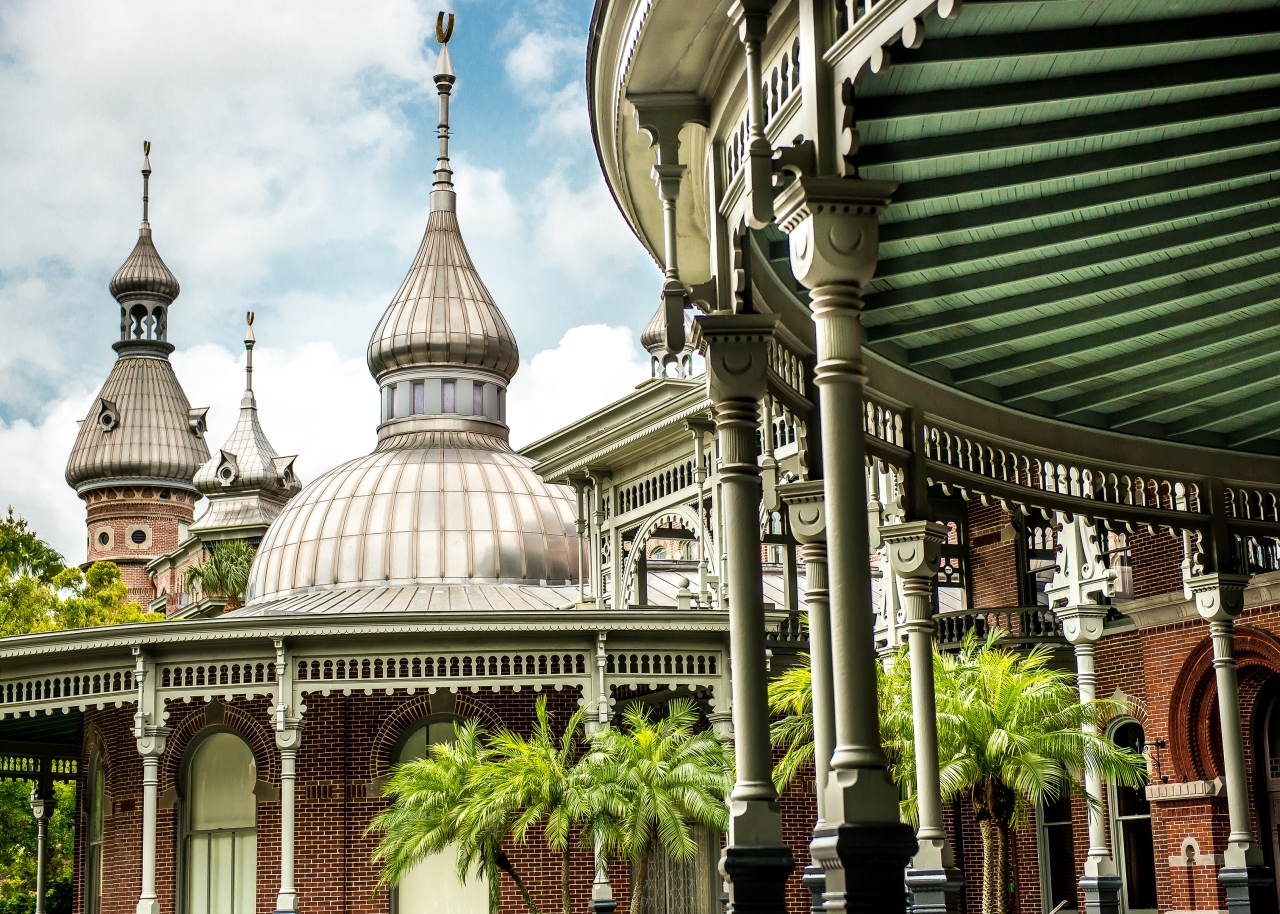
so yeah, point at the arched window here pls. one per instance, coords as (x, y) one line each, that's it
(96, 800)
(683, 886)
(221, 841)
(432, 887)
(1131, 829)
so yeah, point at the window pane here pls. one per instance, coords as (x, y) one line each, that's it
(477, 399)
(450, 388)
(223, 775)
(1139, 863)
(1062, 865)
(419, 399)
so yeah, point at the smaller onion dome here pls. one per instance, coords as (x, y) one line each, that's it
(143, 272)
(653, 339)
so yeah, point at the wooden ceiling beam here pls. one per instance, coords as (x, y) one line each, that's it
(1092, 400)
(1101, 368)
(1191, 396)
(1247, 167)
(1263, 429)
(1070, 128)
(1092, 38)
(1103, 338)
(1225, 412)
(974, 280)
(1078, 318)
(1126, 220)
(1068, 166)
(1063, 88)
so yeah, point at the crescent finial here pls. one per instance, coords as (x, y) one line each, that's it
(443, 32)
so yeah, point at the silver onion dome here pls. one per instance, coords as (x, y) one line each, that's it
(144, 273)
(443, 503)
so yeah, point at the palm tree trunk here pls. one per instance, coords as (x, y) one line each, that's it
(637, 890)
(1002, 865)
(990, 876)
(504, 863)
(564, 879)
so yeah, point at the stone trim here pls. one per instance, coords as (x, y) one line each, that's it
(1173, 607)
(1186, 790)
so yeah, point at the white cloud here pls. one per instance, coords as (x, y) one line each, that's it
(538, 57)
(593, 366)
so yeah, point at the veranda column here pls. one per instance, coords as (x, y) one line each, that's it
(914, 550)
(41, 809)
(808, 525)
(1077, 594)
(756, 862)
(151, 740)
(288, 727)
(863, 846)
(1220, 599)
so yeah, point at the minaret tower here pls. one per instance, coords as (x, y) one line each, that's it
(138, 449)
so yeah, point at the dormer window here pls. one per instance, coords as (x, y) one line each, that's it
(108, 415)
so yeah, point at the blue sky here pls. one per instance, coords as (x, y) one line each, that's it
(292, 149)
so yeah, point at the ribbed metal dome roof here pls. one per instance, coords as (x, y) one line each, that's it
(143, 272)
(139, 427)
(443, 314)
(454, 508)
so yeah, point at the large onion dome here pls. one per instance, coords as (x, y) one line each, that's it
(443, 504)
(144, 273)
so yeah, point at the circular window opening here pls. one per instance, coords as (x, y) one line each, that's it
(226, 472)
(103, 538)
(138, 536)
(106, 420)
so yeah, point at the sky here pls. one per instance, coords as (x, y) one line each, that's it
(292, 154)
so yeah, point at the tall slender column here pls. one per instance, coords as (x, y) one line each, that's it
(914, 550)
(1219, 600)
(752, 19)
(756, 861)
(808, 525)
(151, 740)
(863, 846)
(1078, 592)
(288, 727)
(41, 809)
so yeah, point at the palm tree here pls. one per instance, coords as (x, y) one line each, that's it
(1010, 736)
(791, 702)
(225, 573)
(430, 812)
(531, 781)
(650, 782)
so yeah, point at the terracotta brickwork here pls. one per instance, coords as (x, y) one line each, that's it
(1156, 559)
(993, 556)
(116, 516)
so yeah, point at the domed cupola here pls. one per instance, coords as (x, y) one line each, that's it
(443, 353)
(442, 500)
(653, 338)
(138, 449)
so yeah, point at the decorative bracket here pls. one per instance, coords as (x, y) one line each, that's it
(1082, 582)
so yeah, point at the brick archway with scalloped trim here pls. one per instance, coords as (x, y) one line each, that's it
(465, 705)
(198, 717)
(1195, 741)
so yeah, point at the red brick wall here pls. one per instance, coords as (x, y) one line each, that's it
(1157, 563)
(993, 564)
(117, 510)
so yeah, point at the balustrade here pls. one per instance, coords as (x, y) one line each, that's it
(1022, 626)
(69, 689)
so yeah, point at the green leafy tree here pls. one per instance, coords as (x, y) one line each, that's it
(24, 553)
(534, 781)
(1010, 736)
(225, 573)
(431, 811)
(97, 597)
(651, 781)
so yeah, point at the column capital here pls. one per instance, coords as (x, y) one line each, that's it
(806, 510)
(833, 226)
(737, 351)
(751, 18)
(152, 741)
(1219, 597)
(662, 115)
(289, 736)
(914, 547)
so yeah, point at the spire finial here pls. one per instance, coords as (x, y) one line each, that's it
(442, 195)
(249, 340)
(146, 176)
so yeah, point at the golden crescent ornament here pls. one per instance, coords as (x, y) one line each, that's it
(443, 32)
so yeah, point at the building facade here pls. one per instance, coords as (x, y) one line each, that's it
(983, 298)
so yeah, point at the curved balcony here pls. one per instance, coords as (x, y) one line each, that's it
(1022, 627)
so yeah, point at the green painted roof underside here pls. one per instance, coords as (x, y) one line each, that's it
(1086, 223)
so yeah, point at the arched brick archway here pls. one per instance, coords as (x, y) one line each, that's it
(1195, 742)
(197, 717)
(419, 706)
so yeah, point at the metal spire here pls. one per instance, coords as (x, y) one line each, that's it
(248, 401)
(442, 195)
(146, 176)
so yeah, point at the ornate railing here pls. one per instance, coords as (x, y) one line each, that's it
(1023, 626)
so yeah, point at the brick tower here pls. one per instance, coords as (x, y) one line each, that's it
(140, 445)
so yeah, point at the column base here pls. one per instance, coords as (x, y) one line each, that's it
(816, 882)
(934, 891)
(603, 906)
(757, 878)
(865, 865)
(1241, 883)
(148, 906)
(1101, 894)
